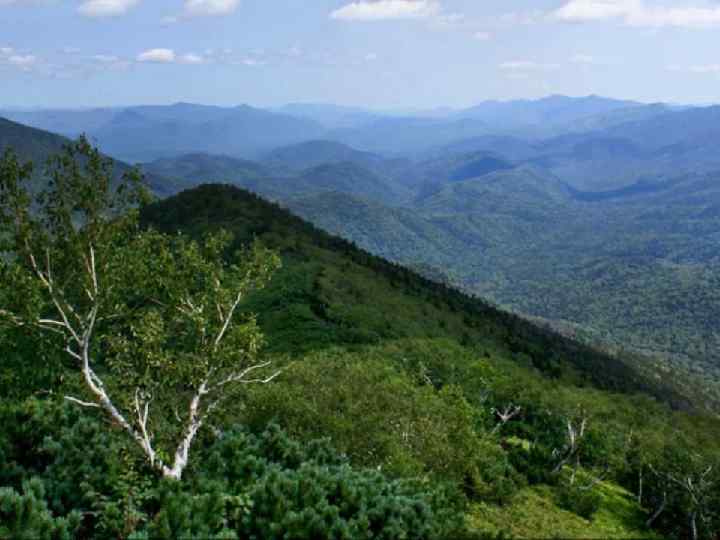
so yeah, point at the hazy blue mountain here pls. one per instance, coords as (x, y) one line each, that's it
(409, 135)
(479, 167)
(313, 153)
(145, 133)
(29, 144)
(691, 127)
(200, 168)
(615, 117)
(330, 116)
(513, 148)
(554, 110)
(528, 191)
(352, 179)
(36, 145)
(70, 123)
(280, 184)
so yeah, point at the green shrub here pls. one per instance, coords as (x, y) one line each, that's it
(25, 516)
(270, 486)
(495, 479)
(374, 413)
(583, 502)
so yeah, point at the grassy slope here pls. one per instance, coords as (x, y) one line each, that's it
(533, 514)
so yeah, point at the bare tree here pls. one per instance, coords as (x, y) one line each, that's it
(697, 486)
(574, 435)
(505, 415)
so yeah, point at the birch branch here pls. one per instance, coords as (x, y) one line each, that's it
(82, 403)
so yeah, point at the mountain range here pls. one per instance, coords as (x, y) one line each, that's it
(599, 217)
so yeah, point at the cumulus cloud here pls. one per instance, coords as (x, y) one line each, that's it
(158, 56)
(639, 13)
(106, 8)
(378, 10)
(210, 7)
(482, 36)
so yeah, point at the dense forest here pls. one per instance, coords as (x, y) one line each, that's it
(210, 365)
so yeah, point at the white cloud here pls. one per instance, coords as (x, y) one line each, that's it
(106, 8)
(192, 58)
(210, 7)
(22, 60)
(6, 51)
(371, 57)
(527, 65)
(168, 56)
(159, 56)
(594, 10)
(638, 13)
(482, 36)
(378, 10)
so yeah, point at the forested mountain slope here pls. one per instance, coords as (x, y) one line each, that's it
(615, 267)
(331, 297)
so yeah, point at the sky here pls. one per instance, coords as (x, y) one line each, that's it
(381, 54)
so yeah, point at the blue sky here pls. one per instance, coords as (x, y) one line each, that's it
(380, 53)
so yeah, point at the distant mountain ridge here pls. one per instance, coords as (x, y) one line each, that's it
(149, 132)
(313, 153)
(145, 133)
(36, 145)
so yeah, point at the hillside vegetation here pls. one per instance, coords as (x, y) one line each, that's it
(355, 326)
(441, 416)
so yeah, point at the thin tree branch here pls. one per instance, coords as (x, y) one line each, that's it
(82, 403)
(228, 319)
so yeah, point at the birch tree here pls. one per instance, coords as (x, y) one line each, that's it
(151, 323)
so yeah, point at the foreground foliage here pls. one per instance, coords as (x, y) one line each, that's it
(243, 486)
(149, 320)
